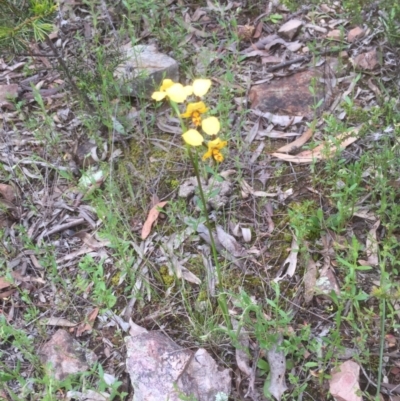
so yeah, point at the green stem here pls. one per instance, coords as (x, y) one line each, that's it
(222, 302)
(222, 296)
(382, 308)
(381, 347)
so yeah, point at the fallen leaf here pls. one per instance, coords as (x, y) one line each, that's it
(291, 261)
(292, 146)
(271, 60)
(284, 121)
(242, 351)
(371, 247)
(277, 364)
(253, 132)
(6, 294)
(57, 321)
(17, 276)
(343, 384)
(4, 283)
(246, 234)
(90, 241)
(276, 134)
(248, 190)
(88, 395)
(151, 218)
(323, 151)
(310, 279)
(87, 325)
(229, 242)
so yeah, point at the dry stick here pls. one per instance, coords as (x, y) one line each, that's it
(301, 59)
(63, 227)
(68, 75)
(287, 63)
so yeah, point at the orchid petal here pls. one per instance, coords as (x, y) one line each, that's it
(201, 86)
(211, 125)
(193, 137)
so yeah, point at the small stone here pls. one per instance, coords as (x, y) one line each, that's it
(355, 34)
(245, 32)
(290, 29)
(366, 61)
(65, 355)
(336, 34)
(144, 70)
(344, 55)
(8, 92)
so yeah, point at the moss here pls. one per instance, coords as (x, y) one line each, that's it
(115, 279)
(165, 276)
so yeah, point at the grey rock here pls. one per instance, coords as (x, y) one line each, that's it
(144, 69)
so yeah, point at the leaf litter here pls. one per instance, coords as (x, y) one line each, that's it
(57, 215)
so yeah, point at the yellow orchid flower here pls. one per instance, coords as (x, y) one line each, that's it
(177, 93)
(211, 125)
(201, 86)
(194, 111)
(193, 137)
(174, 91)
(160, 95)
(214, 148)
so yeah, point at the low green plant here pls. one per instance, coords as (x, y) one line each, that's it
(91, 279)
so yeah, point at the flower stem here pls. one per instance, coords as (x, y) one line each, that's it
(222, 302)
(222, 296)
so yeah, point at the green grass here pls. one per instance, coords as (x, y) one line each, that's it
(365, 175)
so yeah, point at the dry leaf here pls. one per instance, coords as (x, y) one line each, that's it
(371, 247)
(90, 241)
(275, 119)
(291, 260)
(276, 134)
(246, 234)
(322, 151)
(270, 213)
(57, 321)
(277, 364)
(87, 325)
(253, 132)
(343, 384)
(151, 218)
(229, 242)
(242, 352)
(297, 143)
(27, 279)
(4, 283)
(310, 279)
(88, 395)
(248, 190)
